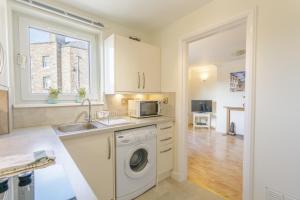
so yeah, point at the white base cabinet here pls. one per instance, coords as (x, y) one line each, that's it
(165, 150)
(131, 66)
(94, 156)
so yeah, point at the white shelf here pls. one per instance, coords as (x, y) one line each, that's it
(199, 116)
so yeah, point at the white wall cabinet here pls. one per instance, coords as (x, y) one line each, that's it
(165, 150)
(3, 45)
(94, 156)
(131, 66)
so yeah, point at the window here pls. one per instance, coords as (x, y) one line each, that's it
(66, 58)
(78, 71)
(47, 82)
(69, 57)
(46, 61)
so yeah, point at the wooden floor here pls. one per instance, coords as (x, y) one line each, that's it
(215, 162)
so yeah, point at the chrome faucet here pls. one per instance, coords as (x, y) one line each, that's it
(90, 109)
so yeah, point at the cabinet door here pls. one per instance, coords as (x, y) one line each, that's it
(131, 66)
(94, 157)
(149, 58)
(127, 76)
(3, 45)
(164, 159)
(164, 139)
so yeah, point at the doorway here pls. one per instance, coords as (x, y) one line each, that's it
(248, 19)
(216, 94)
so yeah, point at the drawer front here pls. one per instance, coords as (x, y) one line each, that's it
(164, 139)
(166, 128)
(165, 134)
(165, 159)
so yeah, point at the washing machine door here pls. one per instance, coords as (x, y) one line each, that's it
(138, 161)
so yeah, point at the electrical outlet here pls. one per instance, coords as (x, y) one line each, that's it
(124, 101)
(272, 194)
(165, 100)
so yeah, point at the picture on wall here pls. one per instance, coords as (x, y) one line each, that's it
(237, 81)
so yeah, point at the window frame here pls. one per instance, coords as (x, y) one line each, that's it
(94, 37)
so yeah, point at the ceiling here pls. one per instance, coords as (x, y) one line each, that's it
(141, 14)
(219, 48)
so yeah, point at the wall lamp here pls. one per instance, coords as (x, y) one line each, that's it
(204, 76)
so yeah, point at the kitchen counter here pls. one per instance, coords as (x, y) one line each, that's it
(133, 123)
(28, 140)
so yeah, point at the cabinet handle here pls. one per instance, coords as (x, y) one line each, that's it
(166, 139)
(167, 150)
(144, 80)
(139, 80)
(109, 148)
(164, 128)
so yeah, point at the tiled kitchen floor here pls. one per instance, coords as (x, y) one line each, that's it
(173, 190)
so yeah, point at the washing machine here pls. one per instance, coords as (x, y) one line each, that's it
(135, 162)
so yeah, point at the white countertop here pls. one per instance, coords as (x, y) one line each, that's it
(28, 140)
(133, 123)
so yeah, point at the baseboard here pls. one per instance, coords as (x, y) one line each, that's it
(163, 176)
(178, 176)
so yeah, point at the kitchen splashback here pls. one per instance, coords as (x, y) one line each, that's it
(28, 117)
(4, 119)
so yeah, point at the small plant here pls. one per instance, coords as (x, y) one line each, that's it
(53, 95)
(81, 92)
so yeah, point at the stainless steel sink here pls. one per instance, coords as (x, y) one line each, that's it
(76, 127)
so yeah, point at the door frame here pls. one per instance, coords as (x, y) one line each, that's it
(248, 18)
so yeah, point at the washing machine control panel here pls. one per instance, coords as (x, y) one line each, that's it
(124, 139)
(135, 135)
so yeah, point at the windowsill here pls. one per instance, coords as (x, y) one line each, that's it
(45, 105)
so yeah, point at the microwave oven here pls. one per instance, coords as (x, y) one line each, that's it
(143, 108)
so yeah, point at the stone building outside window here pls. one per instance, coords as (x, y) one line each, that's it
(58, 61)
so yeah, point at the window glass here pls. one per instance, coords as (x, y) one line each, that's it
(58, 61)
(47, 83)
(46, 61)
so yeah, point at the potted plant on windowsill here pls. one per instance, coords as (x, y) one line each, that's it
(81, 93)
(53, 95)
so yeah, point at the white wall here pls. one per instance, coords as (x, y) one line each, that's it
(202, 90)
(227, 98)
(110, 26)
(238, 117)
(217, 88)
(277, 107)
(199, 89)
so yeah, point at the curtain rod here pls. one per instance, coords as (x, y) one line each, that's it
(57, 11)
